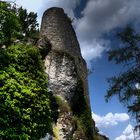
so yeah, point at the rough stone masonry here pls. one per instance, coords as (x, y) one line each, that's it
(63, 64)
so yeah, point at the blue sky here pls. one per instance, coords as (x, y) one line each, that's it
(95, 22)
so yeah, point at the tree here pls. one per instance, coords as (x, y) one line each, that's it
(126, 85)
(28, 22)
(9, 24)
(24, 97)
(17, 23)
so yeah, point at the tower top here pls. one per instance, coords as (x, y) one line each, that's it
(56, 27)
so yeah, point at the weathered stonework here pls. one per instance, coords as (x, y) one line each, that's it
(65, 68)
(62, 74)
(64, 63)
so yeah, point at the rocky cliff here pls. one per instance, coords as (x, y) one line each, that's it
(67, 73)
(64, 63)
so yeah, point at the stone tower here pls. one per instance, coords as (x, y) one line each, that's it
(64, 64)
(67, 74)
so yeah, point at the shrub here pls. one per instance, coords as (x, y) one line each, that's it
(24, 99)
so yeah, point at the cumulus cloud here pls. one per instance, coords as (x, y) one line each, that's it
(109, 119)
(102, 16)
(93, 49)
(127, 134)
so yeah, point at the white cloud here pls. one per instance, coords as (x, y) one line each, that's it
(127, 134)
(137, 86)
(93, 49)
(109, 119)
(102, 16)
(122, 137)
(128, 130)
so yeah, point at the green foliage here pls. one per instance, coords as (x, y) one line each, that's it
(82, 111)
(63, 107)
(56, 133)
(29, 25)
(124, 85)
(17, 23)
(54, 107)
(63, 104)
(24, 100)
(9, 24)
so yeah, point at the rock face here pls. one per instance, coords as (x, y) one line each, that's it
(64, 63)
(67, 74)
